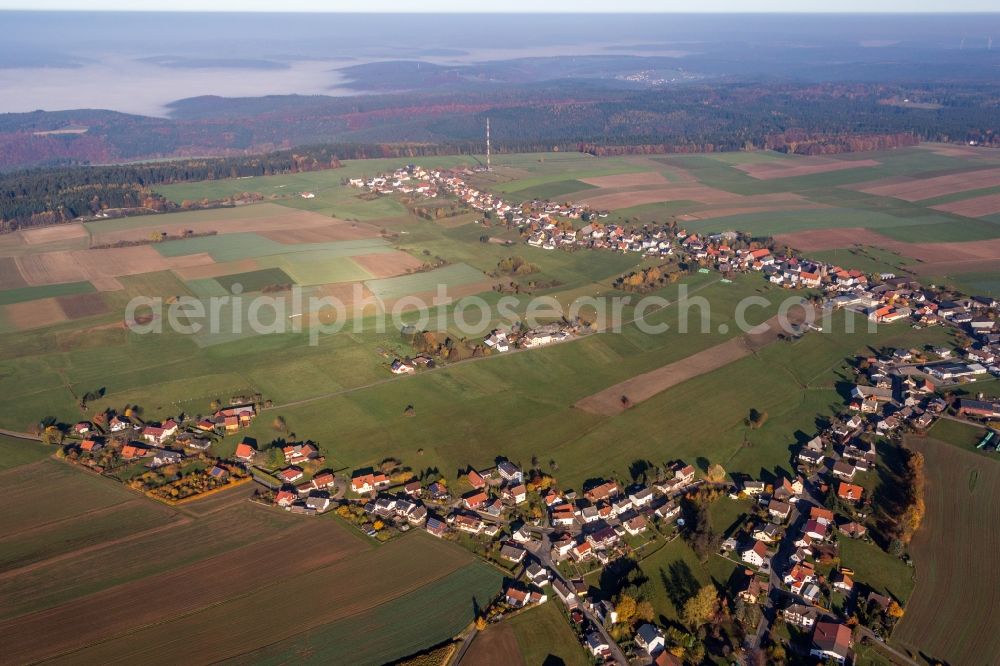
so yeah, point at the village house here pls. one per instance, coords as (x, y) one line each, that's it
(831, 640)
(850, 492)
(755, 590)
(245, 452)
(291, 474)
(768, 533)
(159, 434)
(299, 453)
(467, 523)
(844, 470)
(757, 555)
(435, 526)
(132, 450)
(364, 482)
(668, 511)
(779, 510)
(475, 500)
(635, 525)
(649, 638)
(801, 615)
(512, 553)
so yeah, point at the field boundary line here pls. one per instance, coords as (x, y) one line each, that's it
(178, 522)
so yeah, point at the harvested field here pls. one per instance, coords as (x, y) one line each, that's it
(82, 265)
(699, 193)
(350, 295)
(258, 218)
(627, 179)
(10, 274)
(56, 232)
(950, 616)
(496, 646)
(917, 189)
(388, 264)
(133, 261)
(106, 284)
(642, 387)
(203, 271)
(800, 167)
(33, 314)
(974, 207)
(51, 268)
(78, 306)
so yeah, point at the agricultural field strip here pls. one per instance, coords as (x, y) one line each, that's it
(121, 597)
(951, 613)
(222, 612)
(74, 554)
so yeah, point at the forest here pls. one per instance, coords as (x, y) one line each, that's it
(599, 115)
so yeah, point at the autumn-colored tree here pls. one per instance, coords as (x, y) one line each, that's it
(644, 611)
(279, 424)
(52, 435)
(716, 473)
(625, 608)
(895, 610)
(701, 608)
(480, 623)
(214, 405)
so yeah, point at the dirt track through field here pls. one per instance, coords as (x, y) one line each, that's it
(642, 387)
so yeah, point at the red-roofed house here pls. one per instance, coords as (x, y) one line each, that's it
(245, 452)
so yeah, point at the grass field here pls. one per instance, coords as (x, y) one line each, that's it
(962, 435)
(949, 617)
(551, 191)
(17, 452)
(256, 280)
(22, 294)
(544, 636)
(879, 570)
(456, 275)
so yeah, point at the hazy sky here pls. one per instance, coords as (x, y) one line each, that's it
(428, 6)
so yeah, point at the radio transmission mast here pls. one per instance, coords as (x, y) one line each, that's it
(489, 166)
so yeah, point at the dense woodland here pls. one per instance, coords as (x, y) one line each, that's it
(690, 117)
